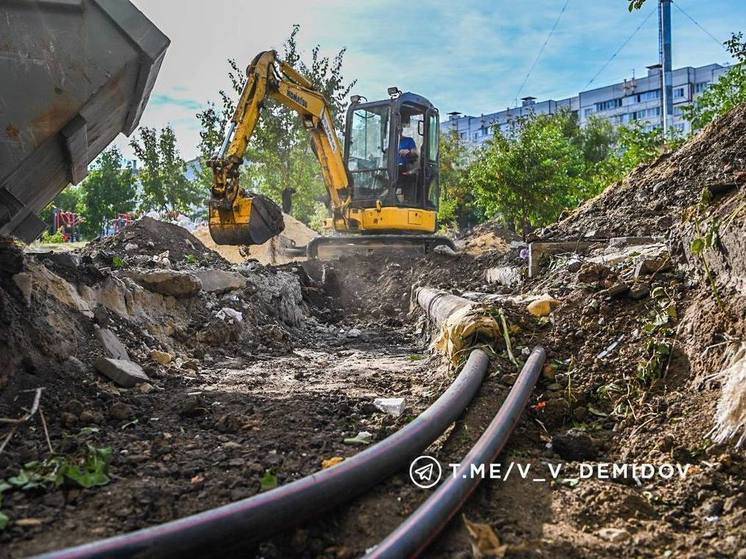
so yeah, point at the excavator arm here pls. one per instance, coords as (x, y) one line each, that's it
(239, 217)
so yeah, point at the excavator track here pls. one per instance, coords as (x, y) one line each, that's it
(329, 248)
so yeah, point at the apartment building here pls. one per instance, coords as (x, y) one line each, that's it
(633, 100)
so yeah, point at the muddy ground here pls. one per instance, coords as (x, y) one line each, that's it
(257, 375)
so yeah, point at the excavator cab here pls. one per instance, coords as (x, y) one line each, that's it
(391, 154)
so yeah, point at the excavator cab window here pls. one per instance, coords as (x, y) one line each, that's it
(409, 182)
(367, 158)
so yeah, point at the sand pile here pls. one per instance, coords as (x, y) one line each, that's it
(296, 234)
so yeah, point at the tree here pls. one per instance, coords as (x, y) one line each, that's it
(457, 203)
(108, 190)
(727, 93)
(529, 175)
(162, 178)
(280, 153)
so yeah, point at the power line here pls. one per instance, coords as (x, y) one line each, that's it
(541, 51)
(695, 22)
(624, 44)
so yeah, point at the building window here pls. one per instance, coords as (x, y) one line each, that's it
(588, 112)
(649, 95)
(608, 105)
(678, 93)
(701, 86)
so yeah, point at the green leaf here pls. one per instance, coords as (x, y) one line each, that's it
(20, 480)
(268, 481)
(3, 520)
(117, 262)
(698, 245)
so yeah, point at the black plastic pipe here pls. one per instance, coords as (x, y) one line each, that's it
(421, 528)
(256, 518)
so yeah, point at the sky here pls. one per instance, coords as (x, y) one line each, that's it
(470, 56)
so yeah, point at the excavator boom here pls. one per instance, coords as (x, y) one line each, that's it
(240, 218)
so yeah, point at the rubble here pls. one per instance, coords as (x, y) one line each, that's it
(112, 346)
(169, 282)
(125, 373)
(220, 281)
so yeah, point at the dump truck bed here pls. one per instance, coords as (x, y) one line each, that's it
(73, 74)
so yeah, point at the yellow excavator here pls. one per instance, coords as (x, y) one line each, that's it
(382, 183)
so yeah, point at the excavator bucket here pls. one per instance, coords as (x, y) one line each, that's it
(251, 219)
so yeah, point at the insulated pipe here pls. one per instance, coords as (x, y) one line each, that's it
(421, 528)
(264, 514)
(439, 305)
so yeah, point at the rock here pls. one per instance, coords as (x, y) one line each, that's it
(591, 272)
(120, 411)
(543, 306)
(639, 291)
(169, 282)
(129, 247)
(574, 265)
(87, 417)
(25, 284)
(392, 406)
(68, 419)
(113, 347)
(653, 265)
(190, 364)
(124, 373)
(220, 281)
(74, 366)
(192, 407)
(617, 290)
(549, 371)
(444, 249)
(614, 535)
(509, 378)
(574, 445)
(161, 357)
(228, 314)
(101, 316)
(354, 333)
(145, 388)
(64, 259)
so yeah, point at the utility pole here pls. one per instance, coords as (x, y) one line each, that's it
(664, 18)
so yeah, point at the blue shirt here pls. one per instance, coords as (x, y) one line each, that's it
(406, 143)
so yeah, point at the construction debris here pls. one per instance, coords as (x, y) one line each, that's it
(123, 372)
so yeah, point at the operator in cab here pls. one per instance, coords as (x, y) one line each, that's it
(407, 154)
(407, 169)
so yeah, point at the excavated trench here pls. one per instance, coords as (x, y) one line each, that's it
(258, 375)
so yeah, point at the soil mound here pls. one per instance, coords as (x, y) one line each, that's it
(654, 196)
(151, 237)
(296, 234)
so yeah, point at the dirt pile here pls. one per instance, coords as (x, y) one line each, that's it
(148, 237)
(655, 196)
(490, 237)
(296, 234)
